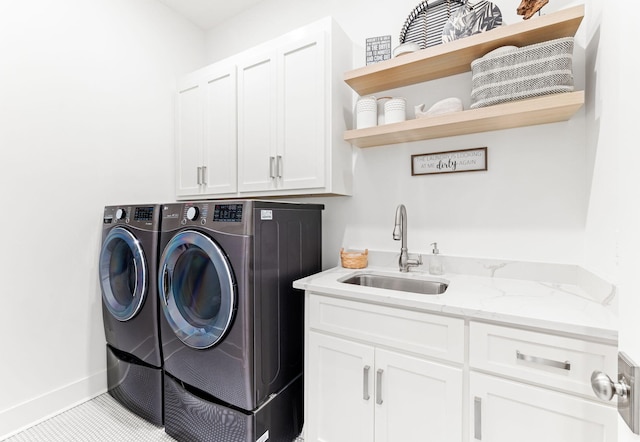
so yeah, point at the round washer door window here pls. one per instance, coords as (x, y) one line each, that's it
(123, 274)
(197, 289)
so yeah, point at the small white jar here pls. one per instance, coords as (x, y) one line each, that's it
(366, 112)
(395, 110)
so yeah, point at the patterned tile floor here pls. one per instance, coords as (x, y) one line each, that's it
(101, 419)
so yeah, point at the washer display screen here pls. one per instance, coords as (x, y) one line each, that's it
(229, 213)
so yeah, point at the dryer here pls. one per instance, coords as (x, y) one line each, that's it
(232, 326)
(128, 271)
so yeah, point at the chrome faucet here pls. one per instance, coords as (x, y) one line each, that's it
(400, 233)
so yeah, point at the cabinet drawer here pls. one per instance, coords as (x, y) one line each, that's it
(553, 361)
(417, 332)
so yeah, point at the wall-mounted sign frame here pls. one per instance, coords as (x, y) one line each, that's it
(378, 49)
(465, 160)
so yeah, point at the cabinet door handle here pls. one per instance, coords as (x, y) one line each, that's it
(204, 175)
(199, 175)
(279, 166)
(272, 173)
(566, 365)
(477, 418)
(379, 386)
(365, 383)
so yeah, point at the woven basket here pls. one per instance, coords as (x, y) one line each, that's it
(526, 72)
(354, 260)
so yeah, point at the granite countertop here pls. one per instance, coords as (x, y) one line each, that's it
(558, 298)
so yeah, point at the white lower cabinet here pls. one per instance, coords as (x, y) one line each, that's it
(371, 374)
(361, 393)
(505, 411)
(376, 373)
(536, 386)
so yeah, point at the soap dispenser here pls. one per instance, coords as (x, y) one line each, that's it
(435, 261)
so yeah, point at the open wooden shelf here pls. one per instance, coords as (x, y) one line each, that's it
(541, 110)
(455, 57)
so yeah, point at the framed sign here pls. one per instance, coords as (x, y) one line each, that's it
(378, 49)
(466, 160)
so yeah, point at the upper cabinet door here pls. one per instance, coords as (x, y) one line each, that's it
(220, 140)
(303, 78)
(188, 136)
(257, 123)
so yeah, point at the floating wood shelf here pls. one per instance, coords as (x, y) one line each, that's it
(541, 110)
(455, 57)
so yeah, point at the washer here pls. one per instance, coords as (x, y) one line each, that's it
(128, 270)
(232, 326)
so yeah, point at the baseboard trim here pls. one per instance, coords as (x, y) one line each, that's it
(26, 414)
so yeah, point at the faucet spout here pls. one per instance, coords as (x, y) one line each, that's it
(400, 234)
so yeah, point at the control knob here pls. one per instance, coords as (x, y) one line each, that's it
(120, 214)
(192, 213)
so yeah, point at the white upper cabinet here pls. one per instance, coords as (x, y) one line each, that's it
(287, 119)
(206, 132)
(189, 136)
(257, 123)
(302, 112)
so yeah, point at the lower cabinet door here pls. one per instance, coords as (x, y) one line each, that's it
(507, 411)
(339, 392)
(416, 400)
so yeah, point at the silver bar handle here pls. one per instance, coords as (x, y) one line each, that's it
(477, 418)
(379, 386)
(199, 175)
(204, 175)
(566, 365)
(365, 383)
(279, 166)
(272, 173)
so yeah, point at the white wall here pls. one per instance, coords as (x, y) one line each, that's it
(532, 204)
(86, 120)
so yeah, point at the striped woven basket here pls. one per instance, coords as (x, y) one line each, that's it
(526, 72)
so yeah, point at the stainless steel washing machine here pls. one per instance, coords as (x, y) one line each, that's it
(231, 323)
(128, 270)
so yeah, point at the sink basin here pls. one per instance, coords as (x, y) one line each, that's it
(422, 286)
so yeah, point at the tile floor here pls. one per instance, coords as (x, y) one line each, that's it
(101, 419)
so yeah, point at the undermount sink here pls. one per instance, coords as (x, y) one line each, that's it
(422, 286)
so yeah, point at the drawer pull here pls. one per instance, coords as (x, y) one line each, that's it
(566, 365)
(365, 382)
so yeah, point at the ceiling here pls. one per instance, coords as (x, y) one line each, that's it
(206, 14)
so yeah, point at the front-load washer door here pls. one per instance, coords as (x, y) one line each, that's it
(123, 274)
(197, 289)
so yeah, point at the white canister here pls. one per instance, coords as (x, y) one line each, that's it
(395, 110)
(366, 112)
(381, 102)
